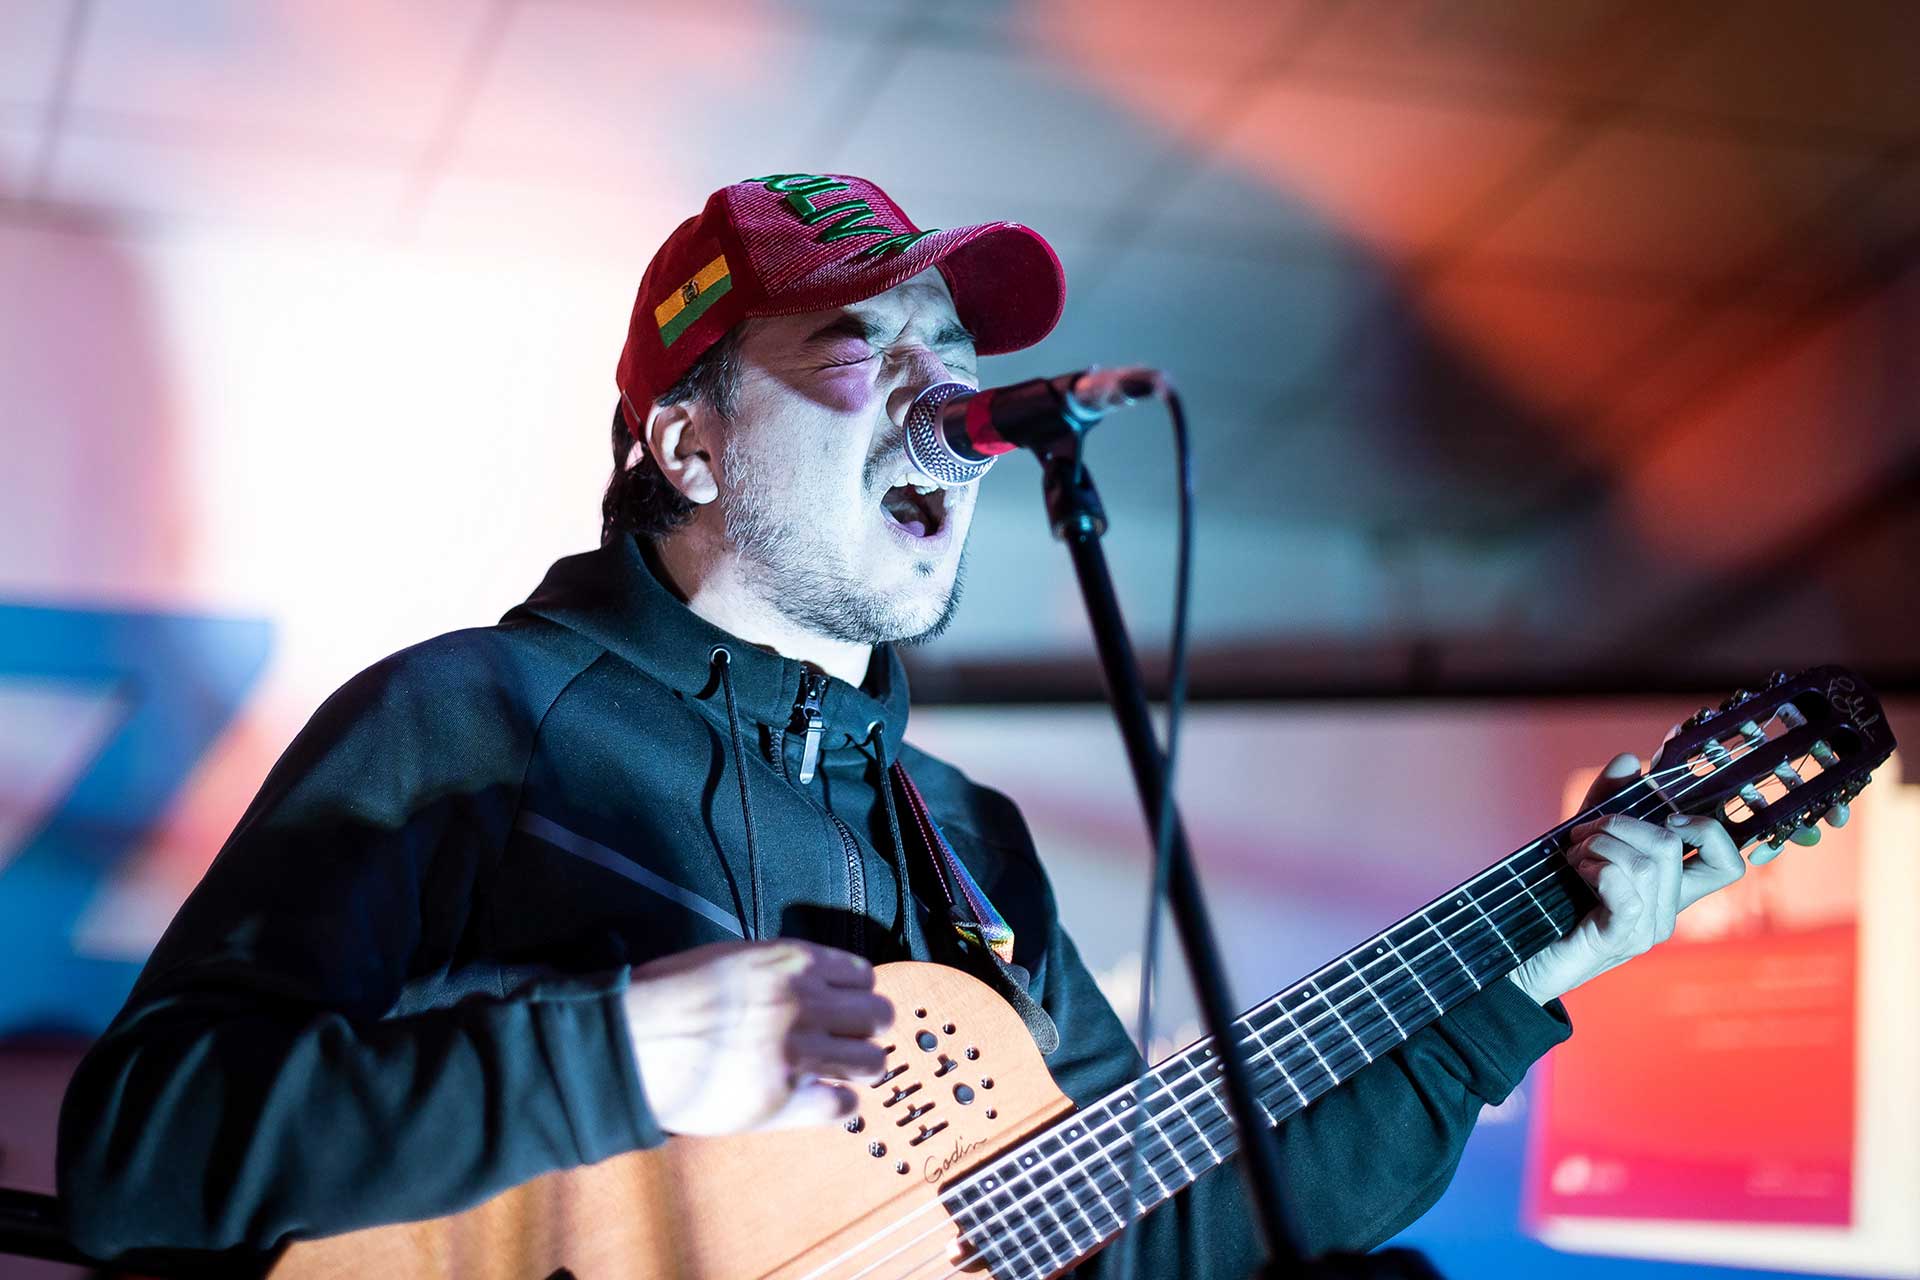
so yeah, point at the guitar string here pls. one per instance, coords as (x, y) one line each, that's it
(1508, 906)
(1502, 907)
(1080, 1174)
(1079, 1165)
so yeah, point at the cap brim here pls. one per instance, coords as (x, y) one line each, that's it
(1008, 285)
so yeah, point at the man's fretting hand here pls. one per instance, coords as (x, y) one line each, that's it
(734, 1035)
(1640, 873)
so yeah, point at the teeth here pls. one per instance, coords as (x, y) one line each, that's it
(929, 487)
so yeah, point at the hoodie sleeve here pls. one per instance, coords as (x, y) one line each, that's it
(1360, 1164)
(255, 1086)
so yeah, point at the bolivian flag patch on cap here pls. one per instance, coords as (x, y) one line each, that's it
(690, 301)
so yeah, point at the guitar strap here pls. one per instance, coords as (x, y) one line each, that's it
(978, 924)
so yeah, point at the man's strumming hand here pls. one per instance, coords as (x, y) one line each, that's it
(734, 1036)
(1640, 873)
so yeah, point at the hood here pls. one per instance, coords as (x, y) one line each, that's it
(615, 597)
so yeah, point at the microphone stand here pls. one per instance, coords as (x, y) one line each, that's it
(1077, 517)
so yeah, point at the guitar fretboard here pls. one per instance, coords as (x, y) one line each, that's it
(1053, 1199)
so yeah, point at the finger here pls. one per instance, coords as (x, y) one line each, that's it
(836, 968)
(1719, 863)
(1620, 898)
(843, 1057)
(847, 1013)
(1620, 772)
(814, 1101)
(1669, 860)
(1647, 837)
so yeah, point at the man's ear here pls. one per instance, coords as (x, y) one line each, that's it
(679, 436)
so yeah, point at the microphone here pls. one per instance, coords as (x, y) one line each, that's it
(954, 432)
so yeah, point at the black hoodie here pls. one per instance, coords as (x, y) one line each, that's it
(397, 990)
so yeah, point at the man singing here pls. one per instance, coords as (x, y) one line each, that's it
(524, 897)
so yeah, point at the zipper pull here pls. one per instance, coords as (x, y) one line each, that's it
(806, 715)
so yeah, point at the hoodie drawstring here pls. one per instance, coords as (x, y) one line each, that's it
(883, 782)
(724, 661)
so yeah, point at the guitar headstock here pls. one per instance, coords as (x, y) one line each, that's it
(1766, 762)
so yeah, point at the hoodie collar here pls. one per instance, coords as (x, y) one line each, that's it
(614, 597)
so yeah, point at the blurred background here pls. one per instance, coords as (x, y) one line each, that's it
(1551, 367)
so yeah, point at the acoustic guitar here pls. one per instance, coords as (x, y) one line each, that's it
(966, 1159)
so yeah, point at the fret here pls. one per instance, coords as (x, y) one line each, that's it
(1308, 995)
(1448, 944)
(1259, 1037)
(1118, 1138)
(1177, 1072)
(1548, 915)
(1312, 1045)
(1038, 1177)
(1359, 971)
(1072, 1140)
(1413, 973)
(1051, 1148)
(1468, 899)
(1009, 1213)
(1153, 1106)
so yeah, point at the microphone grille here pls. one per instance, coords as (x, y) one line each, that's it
(927, 449)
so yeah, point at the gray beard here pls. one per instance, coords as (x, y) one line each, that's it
(809, 582)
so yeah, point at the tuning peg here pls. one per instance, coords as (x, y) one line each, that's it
(1777, 679)
(1698, 718)
(1735, 699)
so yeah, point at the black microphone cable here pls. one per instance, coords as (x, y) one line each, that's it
(1163, 833)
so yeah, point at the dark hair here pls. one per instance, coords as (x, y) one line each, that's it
(641, 500)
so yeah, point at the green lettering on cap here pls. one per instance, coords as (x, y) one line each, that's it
(843, 221)
(895, 243)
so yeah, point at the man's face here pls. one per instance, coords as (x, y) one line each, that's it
(812, 466)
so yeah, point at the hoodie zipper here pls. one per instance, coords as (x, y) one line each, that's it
(807, 717)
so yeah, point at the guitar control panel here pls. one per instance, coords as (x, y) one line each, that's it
(929, 1075)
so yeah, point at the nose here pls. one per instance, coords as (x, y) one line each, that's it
(900, 399)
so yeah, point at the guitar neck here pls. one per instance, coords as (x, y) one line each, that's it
(1054, 1198)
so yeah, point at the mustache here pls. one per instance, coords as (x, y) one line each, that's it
(884, 454)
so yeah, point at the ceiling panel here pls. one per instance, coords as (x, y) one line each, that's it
(1549, 342)
(1852, 64)
(1393, 172)
(320, 73)
(623, 96)
(1222, 38)
(30, 35)
(238, 188)
(532, 220)
(1029, 132)
(1541, 50)
(1654, 204)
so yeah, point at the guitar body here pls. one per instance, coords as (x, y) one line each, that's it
(786, 1203)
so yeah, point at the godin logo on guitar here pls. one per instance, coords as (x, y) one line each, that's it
(937, 1169)
(1841, 693)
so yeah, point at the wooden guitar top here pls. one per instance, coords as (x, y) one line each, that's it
(965, 1081)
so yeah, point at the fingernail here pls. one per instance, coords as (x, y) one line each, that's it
(1678, 819)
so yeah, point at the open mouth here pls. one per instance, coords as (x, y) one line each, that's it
(921, 515)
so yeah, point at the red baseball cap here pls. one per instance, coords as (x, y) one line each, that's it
(793, 242)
